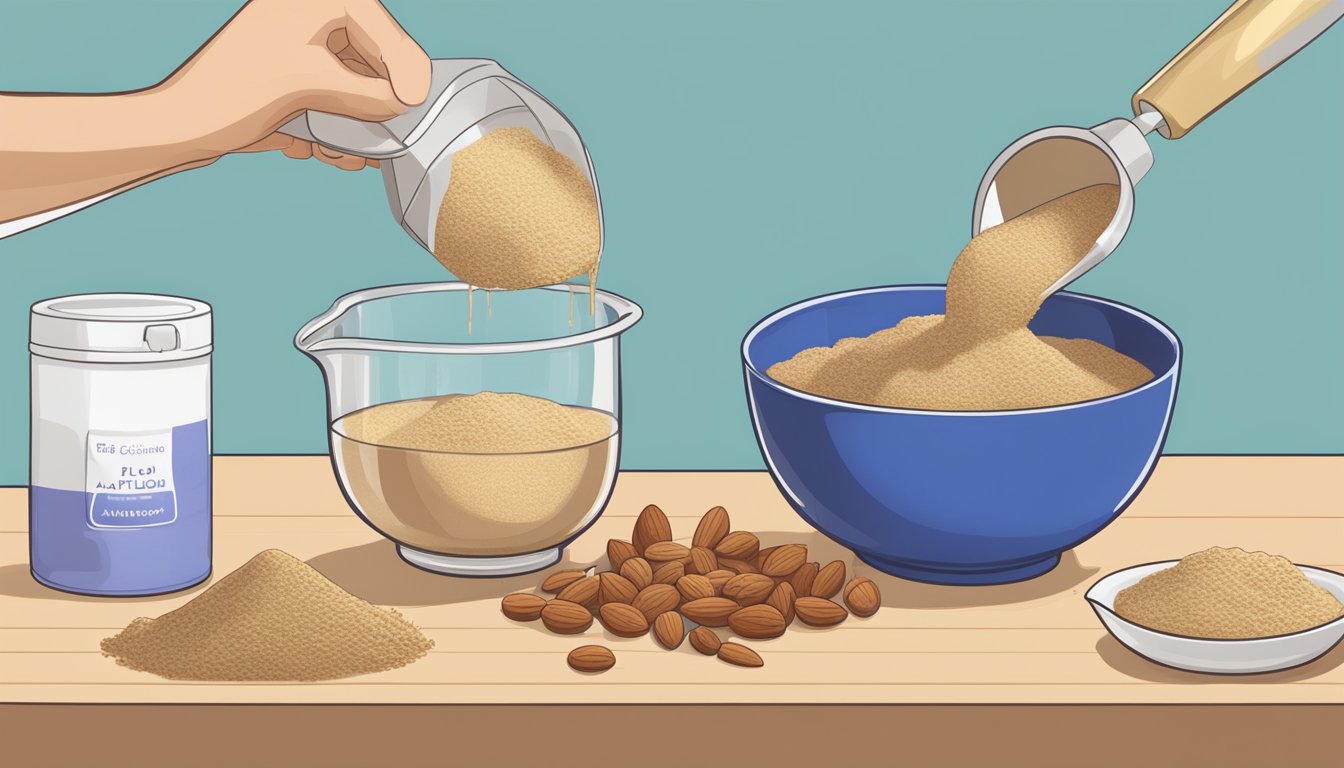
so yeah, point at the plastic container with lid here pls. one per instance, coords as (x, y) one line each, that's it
(119, 500)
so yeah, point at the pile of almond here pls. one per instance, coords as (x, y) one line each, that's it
(724, 579)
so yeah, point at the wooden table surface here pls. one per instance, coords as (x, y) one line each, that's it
(1031, 643)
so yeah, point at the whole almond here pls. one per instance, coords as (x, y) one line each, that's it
(803, 578)
(655, 599)
(666, 552)
(718, 578)
(559, 580)
(702, 560)
(781, 599)
(522, 606)
(759, 560)
(829, 580)
(738, 545)
(740, 655)
(668, 573)
(623, 620)
(651, 527)
(862, 596)
(693, 587)
(852, 583)
(710, 611)
(757, 622)
(618, 552)
(704, 640)
(748, 588)
(591, 658)
(582, 591)
(669, 630)
(637, 571)
(819, 612)
(615, 588)
(738, 566)
(784, 560)
(714, 525)
(565, 618)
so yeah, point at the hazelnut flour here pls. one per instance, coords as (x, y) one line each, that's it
(1228, 594)
(275, 619)
(981, 355)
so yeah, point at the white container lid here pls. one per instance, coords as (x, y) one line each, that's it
(121, 327)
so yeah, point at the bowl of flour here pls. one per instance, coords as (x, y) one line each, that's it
(968, 433)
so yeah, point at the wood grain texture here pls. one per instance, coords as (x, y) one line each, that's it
(1035, 642)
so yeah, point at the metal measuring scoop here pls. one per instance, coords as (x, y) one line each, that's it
(1250, 39)
(468, 98)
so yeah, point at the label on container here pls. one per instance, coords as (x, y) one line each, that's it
(129, 479)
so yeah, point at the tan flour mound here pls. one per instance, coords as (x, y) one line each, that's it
(276, 619)
(482, 474)
(485, 423)
(1228, 593)
(517, 214)
(980, 355)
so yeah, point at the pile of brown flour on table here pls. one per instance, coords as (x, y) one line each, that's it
(517, 214)
(1228, 594)
(981, 355)
(275, 619)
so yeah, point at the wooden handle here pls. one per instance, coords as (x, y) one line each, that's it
(1251, 38)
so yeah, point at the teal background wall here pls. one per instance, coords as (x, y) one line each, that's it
(751, 154)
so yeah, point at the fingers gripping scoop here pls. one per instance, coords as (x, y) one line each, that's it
(468, 98)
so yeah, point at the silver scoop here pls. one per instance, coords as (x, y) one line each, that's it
(468, 98)
(1250, 39)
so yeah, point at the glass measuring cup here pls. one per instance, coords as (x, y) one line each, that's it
(471, 514)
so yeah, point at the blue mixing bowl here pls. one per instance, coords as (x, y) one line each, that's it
(958, 497)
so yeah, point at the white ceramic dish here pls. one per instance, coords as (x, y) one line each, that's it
(1221, 657)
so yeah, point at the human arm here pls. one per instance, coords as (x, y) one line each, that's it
(271, 61)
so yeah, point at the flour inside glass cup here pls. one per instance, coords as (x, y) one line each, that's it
(486, 474)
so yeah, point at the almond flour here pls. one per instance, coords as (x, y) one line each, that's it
(476, 475)
(981, 355)
(517, 214)
(483, 423)
(1228, 594)
(273, 619)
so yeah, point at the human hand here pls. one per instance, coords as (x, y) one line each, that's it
(277, 58)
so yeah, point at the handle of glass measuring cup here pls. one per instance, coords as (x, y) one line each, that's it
(1250, 39)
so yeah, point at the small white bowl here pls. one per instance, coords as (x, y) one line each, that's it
(1215, 656)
